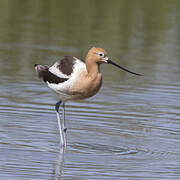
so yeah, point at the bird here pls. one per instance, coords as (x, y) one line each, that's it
(75, 79)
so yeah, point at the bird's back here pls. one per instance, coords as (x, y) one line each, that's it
(59, 72)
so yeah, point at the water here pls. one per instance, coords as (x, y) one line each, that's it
(130, 129)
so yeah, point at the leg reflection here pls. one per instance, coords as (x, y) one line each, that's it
(59, 164)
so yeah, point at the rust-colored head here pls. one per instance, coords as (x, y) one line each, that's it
(97, 55)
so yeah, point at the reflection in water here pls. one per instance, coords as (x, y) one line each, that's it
(59, 164)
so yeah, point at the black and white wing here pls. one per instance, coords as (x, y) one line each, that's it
(60, 72)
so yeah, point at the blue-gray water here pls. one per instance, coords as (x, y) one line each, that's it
(130, 129)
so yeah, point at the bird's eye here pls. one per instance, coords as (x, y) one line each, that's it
(101, 54)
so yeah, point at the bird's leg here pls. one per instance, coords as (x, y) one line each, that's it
(59, 123)
(63, 115)
(63, 122)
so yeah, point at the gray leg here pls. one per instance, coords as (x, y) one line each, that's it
(63, 123)
(59, 123)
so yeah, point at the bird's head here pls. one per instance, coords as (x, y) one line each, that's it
(99, 56)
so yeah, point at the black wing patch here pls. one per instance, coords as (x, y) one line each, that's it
(47, 76)
(66, 65)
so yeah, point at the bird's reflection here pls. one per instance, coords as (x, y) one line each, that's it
(59, 164)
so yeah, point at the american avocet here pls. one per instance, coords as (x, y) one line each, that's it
(73, 79)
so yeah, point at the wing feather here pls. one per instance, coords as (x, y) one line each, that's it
(47, 76)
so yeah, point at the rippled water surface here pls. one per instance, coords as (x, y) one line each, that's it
(130, 129)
